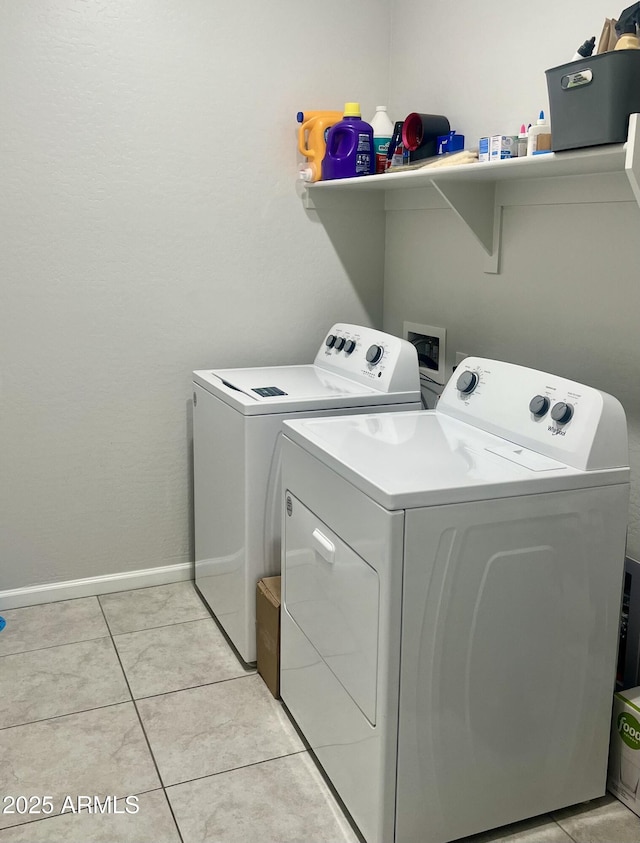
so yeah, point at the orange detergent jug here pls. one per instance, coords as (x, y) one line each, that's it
(312, 137)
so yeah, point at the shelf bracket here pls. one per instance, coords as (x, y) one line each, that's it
(632, 156)
(492, 261)
(475, 204)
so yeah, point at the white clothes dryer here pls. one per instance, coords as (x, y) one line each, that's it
(237, 418)
(451, 600)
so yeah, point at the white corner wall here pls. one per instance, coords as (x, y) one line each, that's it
(567, 296)
(150, 225)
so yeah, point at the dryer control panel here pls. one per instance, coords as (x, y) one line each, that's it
(371, 357)
(567, 421)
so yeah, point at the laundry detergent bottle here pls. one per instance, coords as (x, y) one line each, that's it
(350, 150)
(312, 135)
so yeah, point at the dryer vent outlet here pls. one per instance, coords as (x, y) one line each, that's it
(429, 342)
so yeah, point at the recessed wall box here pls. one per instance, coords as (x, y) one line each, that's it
(429, 342)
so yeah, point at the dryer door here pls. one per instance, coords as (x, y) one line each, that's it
(332, 594)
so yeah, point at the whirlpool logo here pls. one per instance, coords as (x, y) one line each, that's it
(629, 730)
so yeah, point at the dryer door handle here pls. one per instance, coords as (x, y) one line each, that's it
(324, 546)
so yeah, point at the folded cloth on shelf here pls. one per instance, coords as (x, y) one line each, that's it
(450, 159)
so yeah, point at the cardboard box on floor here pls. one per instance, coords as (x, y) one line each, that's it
(624, 751)
(268, 632)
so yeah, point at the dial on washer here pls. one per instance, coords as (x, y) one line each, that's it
(374, 354)
(467, 382)
(539, 405)
(562, 412)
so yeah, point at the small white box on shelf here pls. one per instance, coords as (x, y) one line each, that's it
(501, 146)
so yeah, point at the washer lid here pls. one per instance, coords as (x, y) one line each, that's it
(421, 458)
(276, 389)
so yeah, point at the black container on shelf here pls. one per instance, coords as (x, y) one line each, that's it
(590, 100)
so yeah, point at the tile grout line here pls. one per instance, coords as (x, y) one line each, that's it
(53, 646)
(570, 836)
(160, 626)
(144, 731)
(195, 687)
(66, 714)
(240, 767)
(121, 702)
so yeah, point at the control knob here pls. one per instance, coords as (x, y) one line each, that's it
(467, 382)
(562, 412)
(539, 405)
(330, 341)
(340, 343)
(349, 346)
(374, 353)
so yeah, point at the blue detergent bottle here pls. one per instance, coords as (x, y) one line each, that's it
(350, 150)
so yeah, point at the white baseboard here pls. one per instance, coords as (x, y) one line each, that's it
(91, 586)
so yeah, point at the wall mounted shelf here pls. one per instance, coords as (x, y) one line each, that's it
(478, 192)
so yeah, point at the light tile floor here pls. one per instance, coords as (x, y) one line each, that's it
(139, 694)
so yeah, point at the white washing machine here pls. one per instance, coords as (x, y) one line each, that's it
(451, 598)
(237, 418)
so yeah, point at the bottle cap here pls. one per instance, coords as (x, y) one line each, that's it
(587, 48)
(352, 109)
(381, 107)
(305, 174)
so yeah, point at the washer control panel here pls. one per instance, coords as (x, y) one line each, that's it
(565, 420)
(372, 357)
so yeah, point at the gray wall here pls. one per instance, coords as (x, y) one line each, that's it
(150, 225)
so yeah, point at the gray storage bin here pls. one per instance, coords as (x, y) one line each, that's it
(590, 100)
